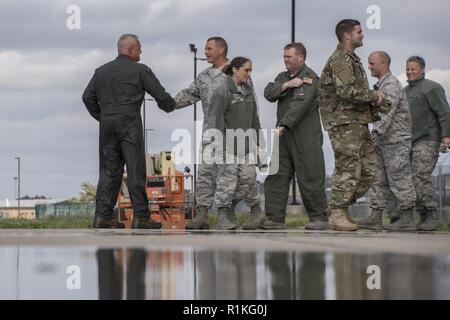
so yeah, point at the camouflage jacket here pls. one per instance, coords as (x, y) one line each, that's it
(201, 89)
(394, 126)
(429, 110)
(344, 93)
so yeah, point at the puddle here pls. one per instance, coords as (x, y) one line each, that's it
(29, 272)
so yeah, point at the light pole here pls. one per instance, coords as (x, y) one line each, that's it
(144, 124)
(15, 188)
(194, 50)
(294, 184)
(18, 185)
(147, 150)
(293, 22)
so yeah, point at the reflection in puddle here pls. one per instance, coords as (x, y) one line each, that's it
(137, 273)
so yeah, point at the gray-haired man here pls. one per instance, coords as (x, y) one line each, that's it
(114, 97)
(392, 136)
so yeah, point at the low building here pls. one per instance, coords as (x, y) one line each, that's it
(9, 209)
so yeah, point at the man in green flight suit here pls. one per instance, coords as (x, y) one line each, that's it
(300, 142)
(347, 106)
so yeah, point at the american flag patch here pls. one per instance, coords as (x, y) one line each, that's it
(308, 80)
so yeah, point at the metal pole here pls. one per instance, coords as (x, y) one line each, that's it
(195, 124)
(146, 137)
(15, 188)
(18, 185)
(293, 22)
(194, 50)
(294, 183)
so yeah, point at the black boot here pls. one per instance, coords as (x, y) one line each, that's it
(145, 223)
(106, 223)
(318, 222)
(317, 225)
(273, 225)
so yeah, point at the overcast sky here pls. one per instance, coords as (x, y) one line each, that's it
(45, 66)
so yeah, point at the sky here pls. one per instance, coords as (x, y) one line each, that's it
(47, 59)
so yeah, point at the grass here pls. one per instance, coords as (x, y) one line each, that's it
(51, 222)
(85, 221)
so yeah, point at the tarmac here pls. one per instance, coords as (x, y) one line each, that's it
(361, 241)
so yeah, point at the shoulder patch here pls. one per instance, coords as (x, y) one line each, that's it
(309, 81)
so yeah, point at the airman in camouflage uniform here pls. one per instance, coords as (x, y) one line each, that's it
(233, 109)
(347, 106)
(430, 127)
(201, 90)
(392, 136)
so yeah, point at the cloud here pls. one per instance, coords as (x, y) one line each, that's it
(183, 8)
(42, 69)
(45, 66)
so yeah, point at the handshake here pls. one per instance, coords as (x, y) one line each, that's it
(382, 104)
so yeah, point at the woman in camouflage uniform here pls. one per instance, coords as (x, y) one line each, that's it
(234, 111)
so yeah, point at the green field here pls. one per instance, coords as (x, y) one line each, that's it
(51, 222)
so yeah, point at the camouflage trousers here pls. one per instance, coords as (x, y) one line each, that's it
(424, 156)
(236, 182)
(393, 175)
(206, 182)
(355, 163)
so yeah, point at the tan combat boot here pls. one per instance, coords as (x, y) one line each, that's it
(338, 220)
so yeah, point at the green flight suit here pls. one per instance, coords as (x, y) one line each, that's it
(300, 147)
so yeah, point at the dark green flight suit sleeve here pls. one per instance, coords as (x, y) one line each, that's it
(156, 90)
(273, 92)
(438, 103)
(90, 99)
(260, 141)
(302, 101)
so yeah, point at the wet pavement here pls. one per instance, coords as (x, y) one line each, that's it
(86, 264)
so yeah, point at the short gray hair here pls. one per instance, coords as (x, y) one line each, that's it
(419, 60)
(384, 56)
(122, 44)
